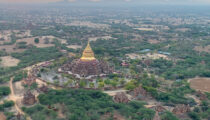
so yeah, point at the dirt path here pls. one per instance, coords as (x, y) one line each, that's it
(42, 82)
(15, 98)
(195, 98)
(114, 92)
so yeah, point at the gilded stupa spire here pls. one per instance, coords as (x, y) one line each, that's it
(88, 54)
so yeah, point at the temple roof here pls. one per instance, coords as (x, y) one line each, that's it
(88, 54)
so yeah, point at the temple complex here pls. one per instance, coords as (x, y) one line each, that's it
(87, 65)
(2, 116)
(181, 109)
(29, 80)
(29, 98)
(159, 109)
(140, 93)
(201, 96)
(44, 89)
(121, 97)
(156, 117)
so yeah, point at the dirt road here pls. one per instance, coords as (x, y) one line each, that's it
(114, 92)
(15, 98)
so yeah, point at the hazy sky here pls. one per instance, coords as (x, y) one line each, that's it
(114, 1)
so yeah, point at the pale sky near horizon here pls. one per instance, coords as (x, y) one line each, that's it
(110, 1)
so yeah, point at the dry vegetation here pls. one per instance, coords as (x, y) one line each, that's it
(41, 44)
(152, 41)
(133, 56)
(44, 41)
(11, 48)
(89, 24)
(202, 49)
(5, 36)
(155, 56)
(8, 61)
(147, 56)
(103, 37)
(22, 34)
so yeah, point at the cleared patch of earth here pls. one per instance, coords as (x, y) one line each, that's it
(41, 43)
(200, 84)
(8, 61)
(5, 36)
(2, 116)
(144, 29)
(147, 56)
(22, 34)
(151, 41)
(15, 98)
(74, 46)
(89, 24)
(114, 92)
(162, 27)
(182, 29)
(203, 49)
(44, 41)
(11, 48)
(155, 56)
(103, 37)
(133, 56)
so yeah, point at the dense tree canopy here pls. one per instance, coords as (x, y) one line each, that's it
(86, 105)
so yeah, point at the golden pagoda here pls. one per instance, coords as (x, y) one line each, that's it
(87, 65)
(88, 54)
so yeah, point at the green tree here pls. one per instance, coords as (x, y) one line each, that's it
(4, 90)
(168, 116)
(114, 83)
(130, 86)
(101, 84)
(91, 85)
(107, 81)
(33, 86)
(82, 83)
(194, 116)
(36, 40)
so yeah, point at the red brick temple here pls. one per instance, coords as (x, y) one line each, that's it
(29, 98)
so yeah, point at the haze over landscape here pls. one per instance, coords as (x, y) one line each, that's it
(104, 60)
(186, 2)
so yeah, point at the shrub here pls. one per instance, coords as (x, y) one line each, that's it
(130, 86)
(4, 91)
(194, 116)
(168, 116)
(36, 40)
